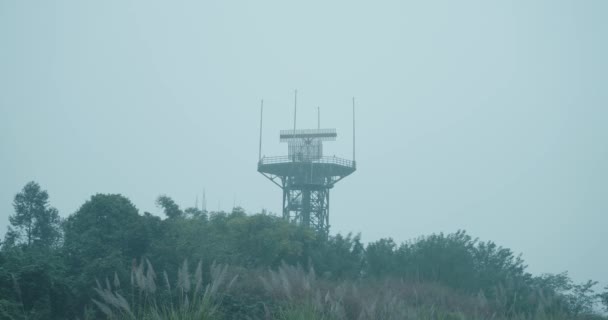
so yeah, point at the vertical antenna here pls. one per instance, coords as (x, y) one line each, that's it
(295, 110)
(319, 118)
(353, 129)
(204, 202)
(261, 117)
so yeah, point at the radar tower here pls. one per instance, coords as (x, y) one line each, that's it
(305, 175)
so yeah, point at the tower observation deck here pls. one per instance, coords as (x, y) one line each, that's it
(305, 175)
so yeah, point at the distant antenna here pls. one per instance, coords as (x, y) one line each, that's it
(204, 202)
(353, 128)
(295, 109)
(261, 117)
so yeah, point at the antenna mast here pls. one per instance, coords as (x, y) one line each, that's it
(261, 117)
(353, 128)
(204, 202)
(319, 117)
(295, 110)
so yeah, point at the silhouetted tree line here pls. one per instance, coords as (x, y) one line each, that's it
(49, 266)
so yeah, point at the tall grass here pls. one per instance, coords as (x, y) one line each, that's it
(301, 295)
(294, 293)
(189, 299)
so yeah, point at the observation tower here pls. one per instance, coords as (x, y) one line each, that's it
(305, 175)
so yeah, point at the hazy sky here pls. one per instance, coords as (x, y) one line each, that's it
(489, 116)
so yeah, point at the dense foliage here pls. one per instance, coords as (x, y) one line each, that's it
(52, 269)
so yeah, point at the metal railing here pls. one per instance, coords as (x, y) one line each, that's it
(288, 159)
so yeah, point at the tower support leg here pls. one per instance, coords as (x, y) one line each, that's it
(308, 207)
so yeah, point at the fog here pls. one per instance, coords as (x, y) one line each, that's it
(483, 116)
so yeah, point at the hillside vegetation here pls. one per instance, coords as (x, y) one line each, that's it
(108, 260)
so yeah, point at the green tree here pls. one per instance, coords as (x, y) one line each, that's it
(380, 257)
(263, 240)
(604, 298)
(32, 274)
(35, 222)
(169, 206)
(103, 236)
(582, 298)
(106, 225)
(447, 259)
(339, 257)
(552, 289)
(195, 213)
(500, 273)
